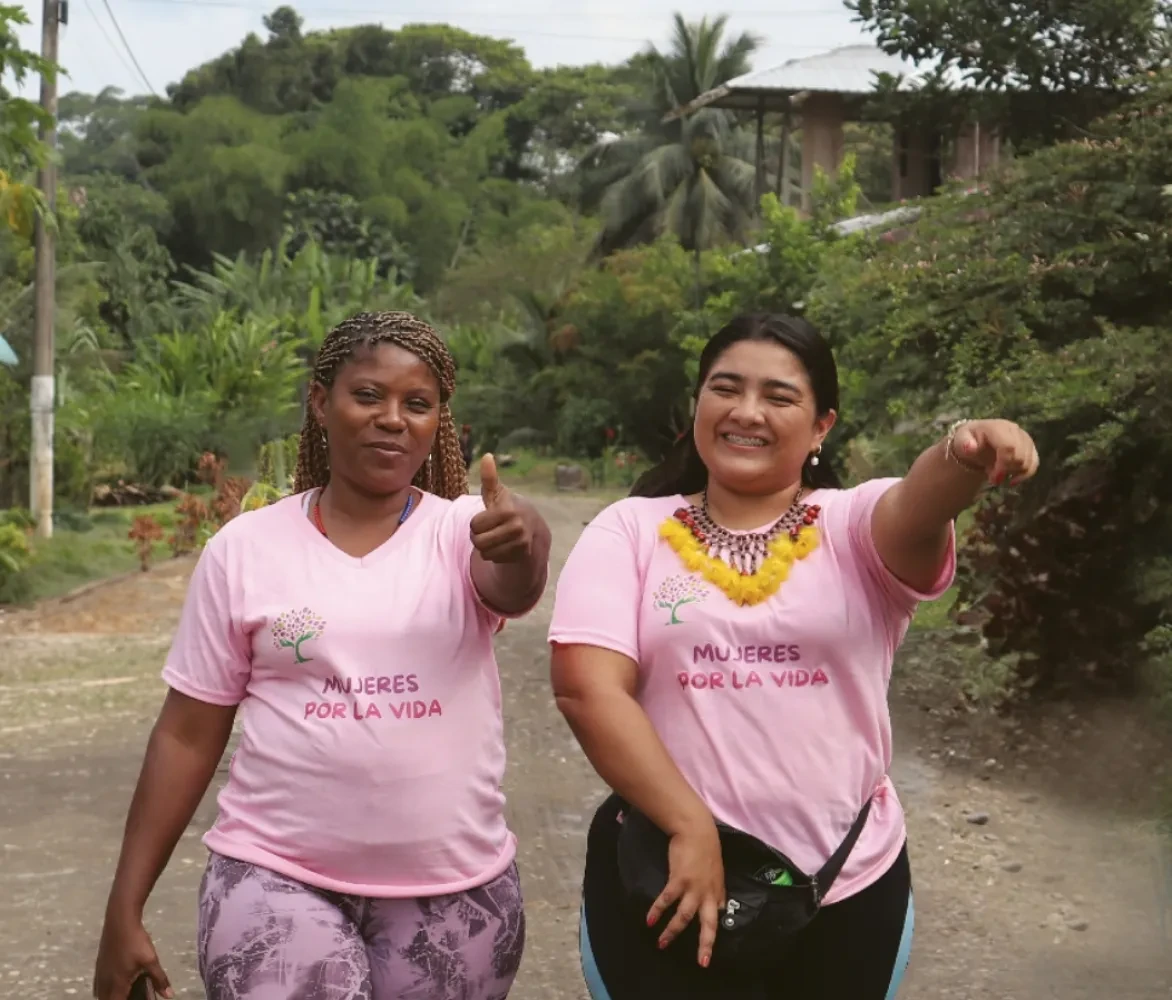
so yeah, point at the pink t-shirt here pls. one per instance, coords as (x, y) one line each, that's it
(776, 714)
(372, 746)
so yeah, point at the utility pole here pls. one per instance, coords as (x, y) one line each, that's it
(41, 396)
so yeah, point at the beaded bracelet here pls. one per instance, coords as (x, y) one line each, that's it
(950, 452)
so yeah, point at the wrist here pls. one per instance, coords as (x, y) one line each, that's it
(123, 907)
(696, 819)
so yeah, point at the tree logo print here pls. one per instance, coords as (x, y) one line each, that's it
(292, 628)
(676, 591)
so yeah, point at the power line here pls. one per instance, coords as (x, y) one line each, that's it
(109, 41)
(470, 14)
(129, 50)
(376, 12)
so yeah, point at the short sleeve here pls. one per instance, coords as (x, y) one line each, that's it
(598, 592)
(210, 658)
(460, 525)
(862, 502)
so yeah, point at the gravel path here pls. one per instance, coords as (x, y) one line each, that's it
(1043, 898)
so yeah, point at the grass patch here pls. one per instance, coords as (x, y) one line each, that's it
(536, 473)
(84, 547)
(935, 614)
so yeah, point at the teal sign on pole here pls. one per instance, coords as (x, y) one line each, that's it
(7, 354)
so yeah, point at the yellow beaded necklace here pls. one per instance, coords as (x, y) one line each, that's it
(747, 567)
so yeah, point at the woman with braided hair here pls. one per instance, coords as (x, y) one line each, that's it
(360, 851)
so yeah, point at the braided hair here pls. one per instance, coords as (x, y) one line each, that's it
(444, 472)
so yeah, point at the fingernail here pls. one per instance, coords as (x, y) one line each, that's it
(704, 962)
(650, 920)
(662, 943)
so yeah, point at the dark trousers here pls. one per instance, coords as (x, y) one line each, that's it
(853, 950)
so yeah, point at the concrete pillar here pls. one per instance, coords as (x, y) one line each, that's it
(977, 149)
(822, 139)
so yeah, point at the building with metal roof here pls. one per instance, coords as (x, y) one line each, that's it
(848, 71)
(819, 94)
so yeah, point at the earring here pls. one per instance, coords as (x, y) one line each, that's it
(814, 458)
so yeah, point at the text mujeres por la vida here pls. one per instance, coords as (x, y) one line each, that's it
(723, 679)
(368, 689)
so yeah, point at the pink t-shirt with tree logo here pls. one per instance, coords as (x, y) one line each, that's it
(777, 713)
(372, 748)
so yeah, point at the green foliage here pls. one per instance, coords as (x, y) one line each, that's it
(225, 388)
(337, 223)
(15, 558)
(1042, 299)
(277, 463)
(1044, 70)
(120, 226)
(628, 369)
(21, 149)
(694, 178)
(780, 272)
(304, 294)
(428, 130)
(1059, 46)
(20, 118)
(97, 134)
(220, 154)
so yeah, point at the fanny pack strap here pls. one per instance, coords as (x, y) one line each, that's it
(830, 871)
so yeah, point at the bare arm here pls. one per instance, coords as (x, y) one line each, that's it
(913, 520)
(595, 691)
(185, 746)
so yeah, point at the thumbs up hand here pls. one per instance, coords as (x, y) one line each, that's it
(500, 533)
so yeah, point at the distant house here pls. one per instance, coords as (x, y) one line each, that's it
(820, 94)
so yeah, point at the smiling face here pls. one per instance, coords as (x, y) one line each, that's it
(757, 420)
(380, 418)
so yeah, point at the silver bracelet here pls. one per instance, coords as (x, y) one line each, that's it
(950, 453)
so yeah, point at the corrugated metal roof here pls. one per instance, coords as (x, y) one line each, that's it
(848, 70)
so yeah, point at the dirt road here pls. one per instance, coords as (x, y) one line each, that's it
(1045, 899)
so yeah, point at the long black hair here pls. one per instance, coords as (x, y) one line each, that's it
(683, 471)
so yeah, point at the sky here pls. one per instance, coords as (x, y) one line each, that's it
(169, 37)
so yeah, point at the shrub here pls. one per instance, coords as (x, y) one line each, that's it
(1044, 298)
(144, 532)
(21, 517)
(193, 525)
(15, 558)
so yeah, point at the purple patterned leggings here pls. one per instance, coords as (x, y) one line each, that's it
(263, 936)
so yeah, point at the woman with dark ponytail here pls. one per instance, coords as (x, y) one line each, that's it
(683, 471)
(722, 644)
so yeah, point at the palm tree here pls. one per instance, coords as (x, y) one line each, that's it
(694, 177)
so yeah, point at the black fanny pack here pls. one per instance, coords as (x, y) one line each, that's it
(768, 898)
